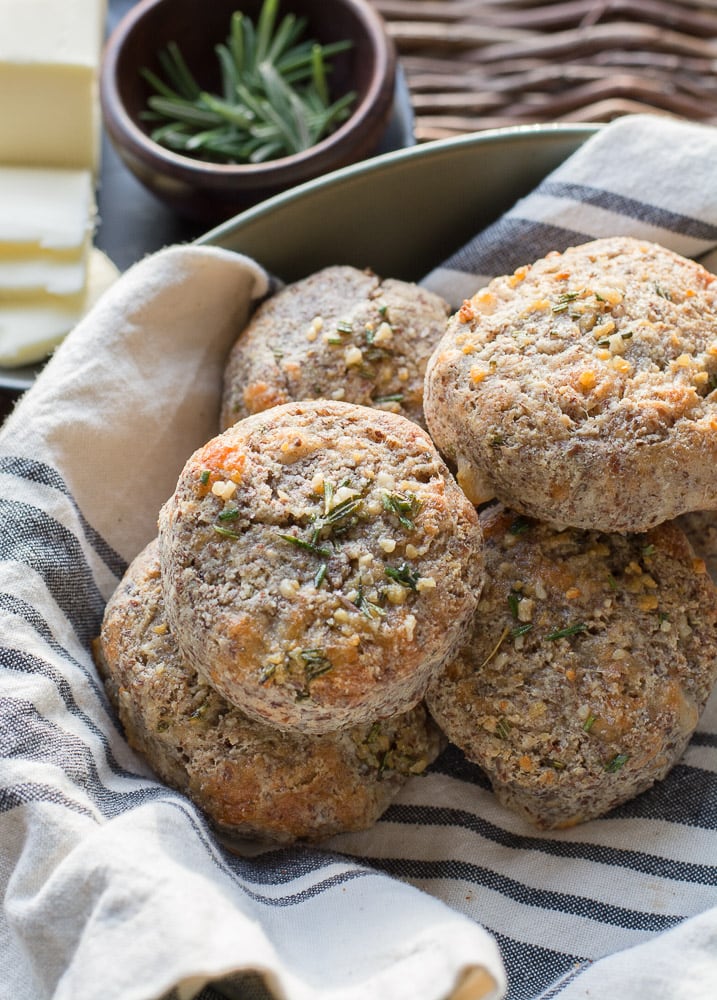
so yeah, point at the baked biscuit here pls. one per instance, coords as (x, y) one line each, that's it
(590, 660)
(251, 780)
(580, 390)
(319, 564)
(341, 333)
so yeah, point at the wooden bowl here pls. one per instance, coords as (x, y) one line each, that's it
(212, 192)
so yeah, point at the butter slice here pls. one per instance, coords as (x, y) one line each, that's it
(51, 209)
(29, 331)
(49, 62)
(43, 273)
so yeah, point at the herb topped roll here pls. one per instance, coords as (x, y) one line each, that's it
(581, 390)
(590, 660)
(319, 564)
(250, 779)
(342, 334)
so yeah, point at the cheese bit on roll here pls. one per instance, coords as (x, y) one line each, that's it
(580, 390)
(590, 660)
(319, 564)
(250, 779)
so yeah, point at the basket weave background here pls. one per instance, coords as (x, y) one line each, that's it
(474, 65)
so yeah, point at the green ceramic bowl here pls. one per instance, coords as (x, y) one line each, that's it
(401, 213)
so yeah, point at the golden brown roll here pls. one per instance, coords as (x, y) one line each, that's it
(581, 390)
(590, 660)
(250, 779)
(319, 564)
(341, 333)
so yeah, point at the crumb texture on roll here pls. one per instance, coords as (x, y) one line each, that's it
(700, 526)
(250, 780)
(590, 660)
(319, 564)
(581, 390)
(341, 333)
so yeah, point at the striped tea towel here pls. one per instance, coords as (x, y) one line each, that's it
(642, 176)
(113, 886)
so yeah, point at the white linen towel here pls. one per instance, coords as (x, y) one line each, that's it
(114, 886)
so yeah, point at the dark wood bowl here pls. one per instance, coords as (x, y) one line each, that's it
(212, 192)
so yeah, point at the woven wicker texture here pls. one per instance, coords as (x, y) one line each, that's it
(473, 65)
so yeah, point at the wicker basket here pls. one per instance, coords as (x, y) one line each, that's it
(473, 65)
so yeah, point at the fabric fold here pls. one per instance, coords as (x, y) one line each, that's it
(114, 885)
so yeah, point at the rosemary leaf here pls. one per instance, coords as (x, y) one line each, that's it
(235, 42)
(182, 111)
(232, 113)
(320, 575)
(225, 532)
(159, 85)
(265, 29)
(249, 44)
(318, 73)
(230, 74)
(403, 574)
(563, 633)
(285, 35)
(617, 762)
(173, 63)
(299, 543)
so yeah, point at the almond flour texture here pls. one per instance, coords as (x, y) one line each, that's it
(581, 390)
(342, 334)
(319, 564)
(589, 662)
(251, 780)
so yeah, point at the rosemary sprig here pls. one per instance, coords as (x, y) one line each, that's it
(564, 633)
(366, 607)
(225, 532)
(342, 511)
(618, 761)
(316, 663)
(393, 397)
(300, 543)
(502, 728)
(404, 506)
(336, 518)
(320, 575)
(403, 574)
(274, 98)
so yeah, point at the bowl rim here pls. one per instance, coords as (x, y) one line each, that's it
(437, 149)
(122, 128)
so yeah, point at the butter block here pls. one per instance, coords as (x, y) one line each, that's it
(52, 209)
(43, 273)
(49, 62)
(30, 330)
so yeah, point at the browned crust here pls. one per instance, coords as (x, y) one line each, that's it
(341, 333)
(246, 608)
(568, 727)
(251, 780)
(580, 390)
